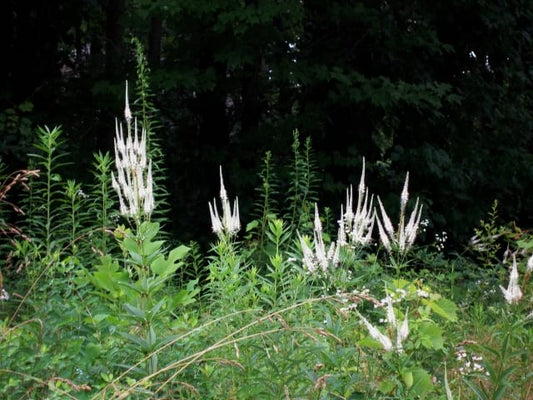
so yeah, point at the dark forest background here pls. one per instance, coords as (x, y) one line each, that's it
(441, 88)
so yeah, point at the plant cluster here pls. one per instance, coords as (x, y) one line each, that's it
(105, 308)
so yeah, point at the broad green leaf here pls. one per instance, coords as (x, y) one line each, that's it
(430, 335)
(387, 387)
(108, 276)
(443, 307)
(100, 317)
(130, 244)
(149, 230)
(178, 253)
(163, 267)
(149, 248)
(407, 377)
(252, 225)
(421, 383)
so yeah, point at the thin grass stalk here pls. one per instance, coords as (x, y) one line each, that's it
(221, 343)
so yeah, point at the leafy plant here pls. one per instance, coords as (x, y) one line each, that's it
(148, 117)
(44, 211)
(302, 191)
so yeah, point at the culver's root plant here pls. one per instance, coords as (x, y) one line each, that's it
(139, 289)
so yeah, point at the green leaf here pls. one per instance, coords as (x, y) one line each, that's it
(477, 390)
(100, 317)
(421, 382)
(164, 267)
(387, 387)
(369, 342)
(443, 307)
(407, 377)
(143, 346)
(252, 225)
(130, 244)
(108, 276)
(149, 230)
(136, 312)
(430, 335)
(150, 249)
(179, 252)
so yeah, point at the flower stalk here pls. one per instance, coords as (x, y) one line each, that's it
(513, 293)
(402, 239)
(322, 257)
(229, 223)
(133, 183)
(355, 228)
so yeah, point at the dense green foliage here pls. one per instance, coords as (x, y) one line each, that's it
(283, 99)
(94, 309)
(442, 89)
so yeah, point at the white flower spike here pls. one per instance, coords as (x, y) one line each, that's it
(377, 335)
(403, 239)
(133, 183)
(229, 224)
(320, 257)
(513, 293)
(355, 229)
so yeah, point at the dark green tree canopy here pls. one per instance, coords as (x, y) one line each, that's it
(441, 88)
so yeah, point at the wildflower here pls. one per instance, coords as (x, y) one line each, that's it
(127, 111)
(359, 225)
(403, 239)
(512, 294)
(133, 182)
(4, 295)
(401, 329)
(376, 334)
(320, 257)
(530, 264)
(230, 223)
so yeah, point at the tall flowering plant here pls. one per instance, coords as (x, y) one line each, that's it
(140, 290)
(133, 182)
(229, 223)
(322, 257)
(402, 239)
(355, 228)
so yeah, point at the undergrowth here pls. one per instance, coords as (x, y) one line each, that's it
(95, 303)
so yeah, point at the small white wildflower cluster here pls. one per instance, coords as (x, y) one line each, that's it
(134, 181)
(424, 225)
(470, 363)
(352, 299)
(403, 239)
(440, 240)
(4, 295)
(229, 224)
(80, 193)
(321, 258)
(355, 229)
